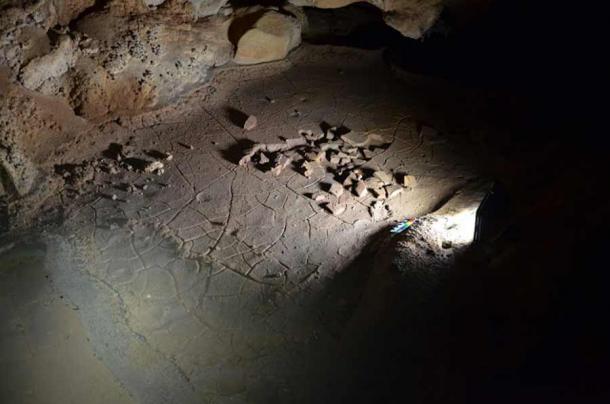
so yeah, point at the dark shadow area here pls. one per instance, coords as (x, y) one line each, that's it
(250, 3)
(156, 154)
(357, 25)
(241, 24)
(114, 151)
(236, 151)
(137, 164)
(237, 117)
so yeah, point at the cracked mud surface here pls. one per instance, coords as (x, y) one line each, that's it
(213, 285)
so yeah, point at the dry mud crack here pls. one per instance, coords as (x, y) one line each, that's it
(210, 284)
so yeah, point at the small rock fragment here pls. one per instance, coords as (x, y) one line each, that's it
(383, 176)
(331, 145)
(344, 198)
(367, 154)
(262, 158)
(393, 190)
(376, 186)
(409, 181)
(344, 161)
(378, 211)
(306, 169)
(360, 188)
(250, 123)
(355, 139)
(336, 208)
(348, 181)
(280, 163)
(295, 142)
(114, 197)
(336, 189)
(153, 166)
(314, 156)
(319, 197)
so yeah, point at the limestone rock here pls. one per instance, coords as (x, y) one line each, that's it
(52, 65)
(144, 62)
(264, 36)
(67, 10)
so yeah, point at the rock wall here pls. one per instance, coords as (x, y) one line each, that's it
(100, 59)
(412, 18)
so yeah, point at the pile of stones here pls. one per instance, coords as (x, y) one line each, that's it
(346, 155)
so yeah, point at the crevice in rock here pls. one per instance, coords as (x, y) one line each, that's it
(358, 25)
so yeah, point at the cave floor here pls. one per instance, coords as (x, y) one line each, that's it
(218, 283)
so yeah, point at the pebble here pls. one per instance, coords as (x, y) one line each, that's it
(154, 166)
(250, 123)
(307, 169)
(319, 197)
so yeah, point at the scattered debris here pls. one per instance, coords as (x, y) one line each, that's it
(338, 151)
(250, 123)
(280, 163)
